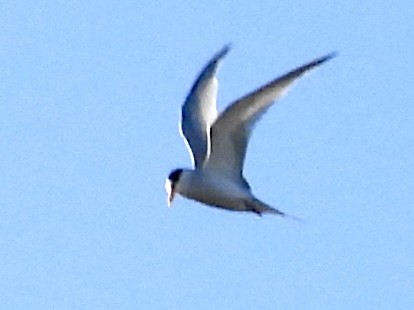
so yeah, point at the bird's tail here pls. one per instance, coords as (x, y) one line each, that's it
(259, 207)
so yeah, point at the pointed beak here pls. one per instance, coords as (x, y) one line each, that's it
(169, 187)
(170, 198)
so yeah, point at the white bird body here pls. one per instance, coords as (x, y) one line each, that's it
(218, 144)
(212, 189)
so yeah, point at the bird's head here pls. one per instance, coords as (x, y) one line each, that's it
(171, 184)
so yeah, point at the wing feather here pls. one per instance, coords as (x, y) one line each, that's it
(199, 110)
(231, 130)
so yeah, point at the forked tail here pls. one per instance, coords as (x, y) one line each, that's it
(259, 207)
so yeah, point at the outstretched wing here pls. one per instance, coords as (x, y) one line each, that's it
(230, 132)
(199, 110)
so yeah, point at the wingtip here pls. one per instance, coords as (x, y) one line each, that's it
(318, 61)
(329, 56)
(228, 46)
(224, 50)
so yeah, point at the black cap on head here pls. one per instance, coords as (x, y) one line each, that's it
(174, 176)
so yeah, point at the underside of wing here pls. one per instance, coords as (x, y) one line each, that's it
(199, 110)
(231, 131)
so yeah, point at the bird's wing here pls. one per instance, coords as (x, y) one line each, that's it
(199, 110)
(230, 132)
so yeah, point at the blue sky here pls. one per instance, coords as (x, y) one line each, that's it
(90, 96)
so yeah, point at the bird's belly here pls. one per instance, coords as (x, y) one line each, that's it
(219, 193)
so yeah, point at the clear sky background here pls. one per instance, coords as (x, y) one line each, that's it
(90, 97)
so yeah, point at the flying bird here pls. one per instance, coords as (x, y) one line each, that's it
(218, 143)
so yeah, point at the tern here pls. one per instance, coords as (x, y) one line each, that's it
(218, 144)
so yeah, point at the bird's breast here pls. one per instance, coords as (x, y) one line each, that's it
(216, 191)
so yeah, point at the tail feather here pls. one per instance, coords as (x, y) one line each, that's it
(260, 207)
